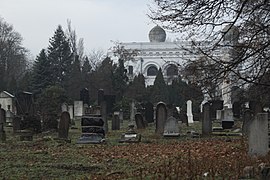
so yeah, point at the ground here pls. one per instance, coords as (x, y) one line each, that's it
(215, 157)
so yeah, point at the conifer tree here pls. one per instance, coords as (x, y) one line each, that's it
(59, 56)
(159, 89)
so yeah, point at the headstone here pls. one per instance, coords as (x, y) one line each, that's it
(100, 96)
(9, 118)
(70, 111)
(64, 125)
(215, 105)
(183, 117)
(116, 121)
(132, 111)
(92, 130)
(236, 108)
(121, 116)
(139, 121)
(189, 111)
(84, 96)
(247, 119)
(78, 109)
(130, 136)
(258, 135)
(149, 112)
(218, 115)
(227, 121)
(2, 131)
(161, 117)
(171, 128)
(16, 124)
(206, 121)
(64, 107)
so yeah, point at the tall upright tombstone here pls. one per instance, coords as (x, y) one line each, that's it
(64, 125)
(2, 131)
(70, 111)
(149, 112)
(161, 117)
(189, 111)
(78, 109)
(247, 121)
(84, 96)
(139, 121)
(3, 115)
(206, 121)
(132, 111)
(116, 121)
(258, 135)
(64, 107)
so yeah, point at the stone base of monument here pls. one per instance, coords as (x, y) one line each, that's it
(25, 135)
(227, 124)
(171, 134)
(130, 136)
(91, 138)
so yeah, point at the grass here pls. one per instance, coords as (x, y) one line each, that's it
(154, 158)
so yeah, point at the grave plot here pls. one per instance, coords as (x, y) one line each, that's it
(92, 130)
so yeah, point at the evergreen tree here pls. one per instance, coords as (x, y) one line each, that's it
(42, 73)
(159, 89)
(60, 57)
(73, 85)
(120, 80)
(86, 71)
(136, 89)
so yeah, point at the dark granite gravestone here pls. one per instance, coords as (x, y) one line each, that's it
(161, 117)
(206, 122)
(2, 131)
(149, 112)
(139, 121)
(116, 122)
(100, 96)
(3, 115)
(84, 96)
(247, 119)
(92, 130)
(236, 108)
(171, 128)
(16, 124)
(130, 136)
(214, 106)
(64, 125)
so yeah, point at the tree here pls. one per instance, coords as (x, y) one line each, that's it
(41, 73)
(13, 56)
(159, 90)
(59, 56)
(206, 18)
(136, 89)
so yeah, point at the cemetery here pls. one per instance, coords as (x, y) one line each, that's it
(191, 102)
(155, 144)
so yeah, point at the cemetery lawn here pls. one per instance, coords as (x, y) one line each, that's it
(215, 157)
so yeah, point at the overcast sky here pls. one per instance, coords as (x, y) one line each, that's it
(98, 22)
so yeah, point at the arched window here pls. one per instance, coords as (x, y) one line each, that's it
(152, 71)
(172, 70)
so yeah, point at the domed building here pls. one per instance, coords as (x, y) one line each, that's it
(167, 55)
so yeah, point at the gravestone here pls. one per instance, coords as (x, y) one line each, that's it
(78, 109)
(215, 105)
(189, 112)
(206, 121)
(70, 111)
(132, 111)
(130, 136)
(171, 128)
(64, 107)
(92, 130)
(161, 117)
(247, 119)
(227, 120)
(149, 112)
(139, 121)
(16, 124)
(116, 121)
(100, 96)
(3, 114)
(121, 116)
(84, 96)
(64, 125)
(219, 115)
(258, 135)
(2, 131)
(9, 118)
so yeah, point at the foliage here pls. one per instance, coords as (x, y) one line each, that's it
(221, 24)
(159, 91)
(13, 56)
(136, 89)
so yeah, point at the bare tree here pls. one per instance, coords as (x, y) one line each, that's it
(216, 20)
(96, 57)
